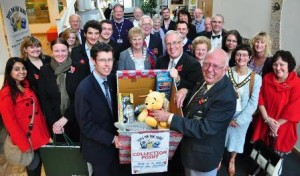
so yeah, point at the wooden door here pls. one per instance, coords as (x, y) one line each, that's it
(206, 6)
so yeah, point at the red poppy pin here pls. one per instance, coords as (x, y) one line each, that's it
(202, 100)
(179, 68)
(189, 46)
(155, 51)
(72, 69)
(36, 76)
(82, 61)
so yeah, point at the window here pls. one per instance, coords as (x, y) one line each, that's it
(37, 11)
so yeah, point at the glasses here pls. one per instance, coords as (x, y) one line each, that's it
(232, 41)
(280, 65)
(146, 24)
(173, 44)
(102, 60)
(242, 55)
(214, 66)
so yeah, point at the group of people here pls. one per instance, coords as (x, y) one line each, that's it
(222, 80)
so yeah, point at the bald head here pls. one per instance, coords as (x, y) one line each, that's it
(75, 21)
(215, 66)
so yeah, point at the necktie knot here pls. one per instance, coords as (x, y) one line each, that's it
(215, 36)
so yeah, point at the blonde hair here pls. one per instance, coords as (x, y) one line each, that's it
(65, 35)
(28, 41)
(135, 31)
(262, 36)
(201, 40)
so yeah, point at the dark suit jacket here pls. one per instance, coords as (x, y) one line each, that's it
(172, 26)
(192, 32)
(155, 42)
(205, 127)
(50, 98)
(78, 55)
(96, 121)
(188, 68)
(116, 54)
(208, 34)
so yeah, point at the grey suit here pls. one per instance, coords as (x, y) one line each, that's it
(126, 62)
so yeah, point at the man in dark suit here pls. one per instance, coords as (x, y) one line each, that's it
(106, 30)
(81, 53)
(217, 33)
(154, 43)
(208, 112)
(167, 23)
(184, 69)
(96, 112)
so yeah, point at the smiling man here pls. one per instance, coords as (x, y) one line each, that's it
(81, 53)
(96, 112)
(184, 69)
(209, 109)
(217, 33)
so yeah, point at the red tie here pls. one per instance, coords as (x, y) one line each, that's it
(145, 44)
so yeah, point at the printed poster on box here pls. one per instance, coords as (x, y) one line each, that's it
(149, 152)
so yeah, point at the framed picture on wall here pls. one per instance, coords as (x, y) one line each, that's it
(193, 3)
(176, 1)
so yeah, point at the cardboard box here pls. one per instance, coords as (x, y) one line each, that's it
(139, 83)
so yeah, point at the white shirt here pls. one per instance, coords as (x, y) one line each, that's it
(175, 61)
(147, 40)
(88, 53)
(217, 42)
(135, 23)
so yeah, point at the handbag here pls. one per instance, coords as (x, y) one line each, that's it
(267, 158)
(12, 152)
(62, 159)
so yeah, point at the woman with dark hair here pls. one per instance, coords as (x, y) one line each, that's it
(184, 15)
(57, 86)
(31, 50)
(17, 103)
(247, 85)
(279, 102)
(231, 40)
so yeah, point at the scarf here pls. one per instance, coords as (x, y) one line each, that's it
(59, 71)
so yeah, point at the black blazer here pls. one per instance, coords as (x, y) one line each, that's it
(190, 72)
(209, 34)
(78, 55)
(155, 42)
(96, 121)
(205, 127)
(172, 26)
(192, 34)
(33, 73)
(50, 99)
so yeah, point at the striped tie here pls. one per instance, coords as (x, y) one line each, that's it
(107, 94)
(197, 96)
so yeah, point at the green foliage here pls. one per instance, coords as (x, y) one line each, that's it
(149, 6)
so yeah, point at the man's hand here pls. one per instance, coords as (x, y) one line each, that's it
(180, 96)
(161, 115)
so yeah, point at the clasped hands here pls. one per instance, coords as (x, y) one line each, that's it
(273, 125)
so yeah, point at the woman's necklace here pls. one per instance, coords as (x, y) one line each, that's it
(133, 58)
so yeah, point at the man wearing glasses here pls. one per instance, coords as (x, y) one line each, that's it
(208, 110)
(184, 69)
(96, 112)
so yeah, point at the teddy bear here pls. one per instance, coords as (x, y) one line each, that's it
(154, 101)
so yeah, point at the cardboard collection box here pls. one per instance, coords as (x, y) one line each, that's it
(138, 83)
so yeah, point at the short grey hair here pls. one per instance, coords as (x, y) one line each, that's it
(170, 32)
(144, 17)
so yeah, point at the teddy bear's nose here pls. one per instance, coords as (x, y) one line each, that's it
(146, 103)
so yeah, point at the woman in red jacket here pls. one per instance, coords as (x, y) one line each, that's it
(16, 108)
(279, 102)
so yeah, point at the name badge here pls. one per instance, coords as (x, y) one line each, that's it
(120, 40)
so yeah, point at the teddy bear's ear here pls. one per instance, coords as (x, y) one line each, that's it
(150, 91)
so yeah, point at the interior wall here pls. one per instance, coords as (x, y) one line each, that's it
(3, 49)
(251, 17)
